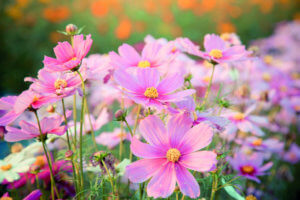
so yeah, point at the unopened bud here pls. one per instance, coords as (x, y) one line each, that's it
(71, 29)
(34, 169)
(51, 108)
(17, 147)
(69, 154)
(120, 115)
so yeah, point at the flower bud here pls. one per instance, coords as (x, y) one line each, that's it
(51, 108)
(120, 115)
(69, 154)
(71, 29)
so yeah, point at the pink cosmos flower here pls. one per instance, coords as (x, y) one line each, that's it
(249, 166)
(56, 85)
(68, 57)
(15, 106)
(102, 119)
(245, 122)
(112, 139)
(147, 89)
(293, 154)
(153, 54)
(29, 130)
(267, 145)
(168, 155)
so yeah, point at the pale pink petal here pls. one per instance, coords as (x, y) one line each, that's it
(178, 96)
(148, 77)
(129, 53)
(64, 51)
(127, 81)
(15, 135)
(201, 161)
(170, 84)
(144, 150)
(102, 119)
(266, 167)
(141, 170)
(186, 182)
(163, 182)
(212, 41)
(196, 138)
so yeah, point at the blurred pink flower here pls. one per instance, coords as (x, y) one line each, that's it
(249, 166)
(147, 89)
(293, 154)
(112, 139)
(168, 155)
(68, 57)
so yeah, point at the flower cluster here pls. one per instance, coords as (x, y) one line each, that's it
(213, 120)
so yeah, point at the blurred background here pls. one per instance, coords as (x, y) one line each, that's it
(28, 28)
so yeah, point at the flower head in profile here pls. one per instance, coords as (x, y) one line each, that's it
(68, 57)
(153, 54)
(112, 139)
(217, 50)
(249, 166)
(147, 89)
(169, 154)
(29, 130)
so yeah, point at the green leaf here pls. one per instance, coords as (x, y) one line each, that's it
(231, 191)
(121, 166)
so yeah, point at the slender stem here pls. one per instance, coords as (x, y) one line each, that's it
(137, 118)
(130, 130)
(183, 196)
(122, 131)
(209, 86)
(214, 186)
(81, 129)
(91, 125)
(176, 195)
(110, 178)
(53, 186)
(75, 119)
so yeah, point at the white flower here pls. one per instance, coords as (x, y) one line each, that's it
(11, 166)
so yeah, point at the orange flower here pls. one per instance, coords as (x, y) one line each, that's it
(186, 4)
(56, 37)
(226, 27)
(100, 8)
(14, 12)
(22, 3)
(56, 14)
(123, 30)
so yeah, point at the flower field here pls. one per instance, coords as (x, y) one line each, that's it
(159, 118)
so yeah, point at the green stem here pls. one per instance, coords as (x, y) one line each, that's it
(110, 178)
(81, 130)
(75, 119)
(214, 186)
(209, 86)
(137, 118)
(122, 131)
(91, 125)
(53, 186)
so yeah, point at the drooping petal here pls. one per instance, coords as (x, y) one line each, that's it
(196, 138)
(141, 170)
(144, 150)
(154, 131)
(163, 182)
(201, 161)
(187, 183)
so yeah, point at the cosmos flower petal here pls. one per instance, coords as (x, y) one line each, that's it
(163, 182)
(129, 53)
(148, 77)
(170, 84)
(212, 41)
(186, 182)
(144, 150)
(15, 135)
(141, 170)
(178, 96)
(127, 81)
(201, 161)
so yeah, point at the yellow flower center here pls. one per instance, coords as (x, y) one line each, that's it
(206, 79)
(239, 116)
(173, 155)
(60, 83)
(74, 58)
(216, 53)
(251, 197)
(295, 75)
(151, 92)
(174, 49)
(247, 169)
(121, 135)
(268, 59)
(144, 64)
(257, 142)
(266, 77)
(6, 167)
(40, 161)
(35, 98)
(225, 36)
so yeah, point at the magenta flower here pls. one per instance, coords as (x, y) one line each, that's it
(249, 166)
(153, 54)
(169, 154)
(29, 130)
(112, 139)
(68, 57)
(217, 50)
(147, 89)
(56, 85)
(34, 195)
(15, 106)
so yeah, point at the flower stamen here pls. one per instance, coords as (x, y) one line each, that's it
(60, 83)
(151, 92)
(247, 169)
(257, 142)
(216, 53)
(239, 116)
(144, 64)
(6, 167)
(173, 155)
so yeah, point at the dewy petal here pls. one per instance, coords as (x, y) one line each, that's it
(186, 182)
(170, 84)
(141, 170)
(201, 161)
(178, 125)
(148, 77)
(127, 81)
(178, 96)
(144, 150)
(196, 138)
(163, 182)
(154, 131)
(212, 41)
